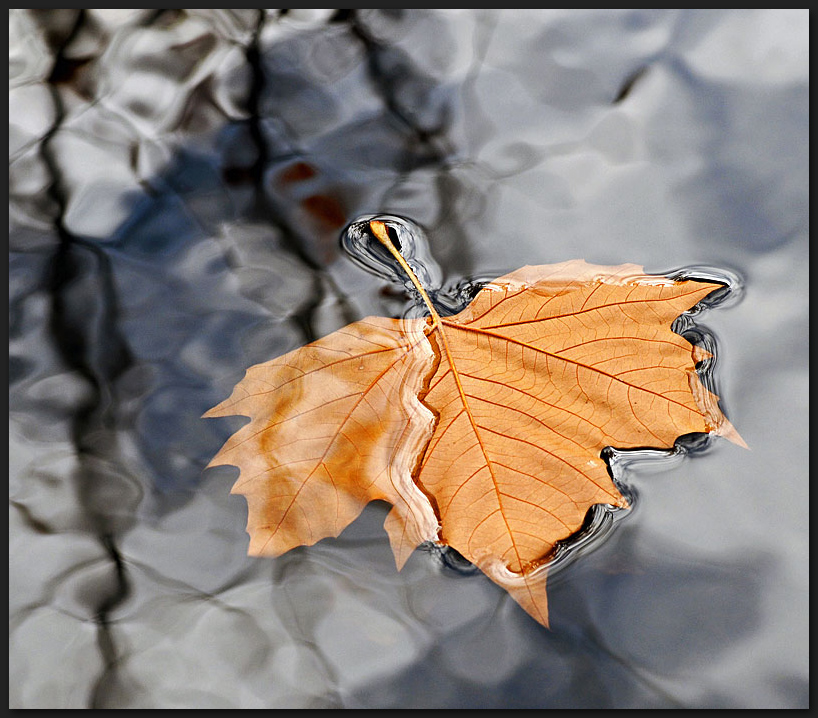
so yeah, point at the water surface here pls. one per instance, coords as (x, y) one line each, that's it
(178, 181)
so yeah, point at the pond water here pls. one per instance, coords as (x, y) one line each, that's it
(178, 183)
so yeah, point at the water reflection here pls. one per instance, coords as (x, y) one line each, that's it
(178, 180)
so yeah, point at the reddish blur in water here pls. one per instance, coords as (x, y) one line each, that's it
(178, 181)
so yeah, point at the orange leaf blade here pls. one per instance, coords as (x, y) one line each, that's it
(544, 369)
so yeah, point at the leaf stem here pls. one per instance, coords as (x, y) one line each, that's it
(378, 228)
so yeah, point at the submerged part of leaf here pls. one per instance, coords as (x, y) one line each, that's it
(333, 426)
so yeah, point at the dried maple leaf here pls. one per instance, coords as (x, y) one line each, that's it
(485, 429)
